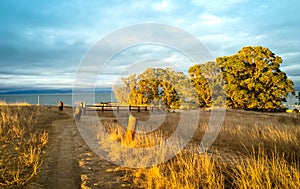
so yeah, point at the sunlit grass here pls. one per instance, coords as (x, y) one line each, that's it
(3, 103)
(21, 145)
(23, 136)
(186, 170)
(253, 150)
(260, 170)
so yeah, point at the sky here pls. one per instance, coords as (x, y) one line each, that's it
(42, 43)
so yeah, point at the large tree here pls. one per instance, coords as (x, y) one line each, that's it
(155, 86)
(254, 80)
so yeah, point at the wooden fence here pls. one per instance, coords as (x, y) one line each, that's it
(117, 108)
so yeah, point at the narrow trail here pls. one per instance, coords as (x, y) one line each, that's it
(65, 168)
(68, 163)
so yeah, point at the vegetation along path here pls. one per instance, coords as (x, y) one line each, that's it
(69, 163)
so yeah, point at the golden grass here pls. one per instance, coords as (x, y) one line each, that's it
(243, 131)
(23, 136)
(253, 150)
(260, 170)
(20, 146)
(3, 103)
(186, 170)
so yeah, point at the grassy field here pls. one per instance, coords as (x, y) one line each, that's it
(253, 150)
(23, 136)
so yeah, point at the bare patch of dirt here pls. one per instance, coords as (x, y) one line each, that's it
(69, 163)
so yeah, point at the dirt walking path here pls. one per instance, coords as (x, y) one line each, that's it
(68, 163)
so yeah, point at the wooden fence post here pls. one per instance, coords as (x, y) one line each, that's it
(77, 114)
(82, 106)
(132, 121)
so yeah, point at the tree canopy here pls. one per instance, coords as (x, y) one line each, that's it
(208, 81)
(253, 79)
(156, 86)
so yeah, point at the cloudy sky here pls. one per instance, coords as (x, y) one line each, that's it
(43, 42)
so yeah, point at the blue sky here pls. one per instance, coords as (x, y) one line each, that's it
(43, 42)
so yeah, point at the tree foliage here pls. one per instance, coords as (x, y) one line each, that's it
(254, 80)
(208, 81)
(155, 86)
(251, 79)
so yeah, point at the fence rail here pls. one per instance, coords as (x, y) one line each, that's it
(108, 107)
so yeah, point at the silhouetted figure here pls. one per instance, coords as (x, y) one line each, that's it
(60, 105)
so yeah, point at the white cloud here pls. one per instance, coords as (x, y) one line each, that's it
(62, 81)
(51, 36)
(209, 19)
(219, 38)
(290, 55)
(291, 67)
(228, 43)
(215, 5)
(296, 80)
(211, 23)
(292, 71)
(161, 6)
(138, 4)
(212, 20)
